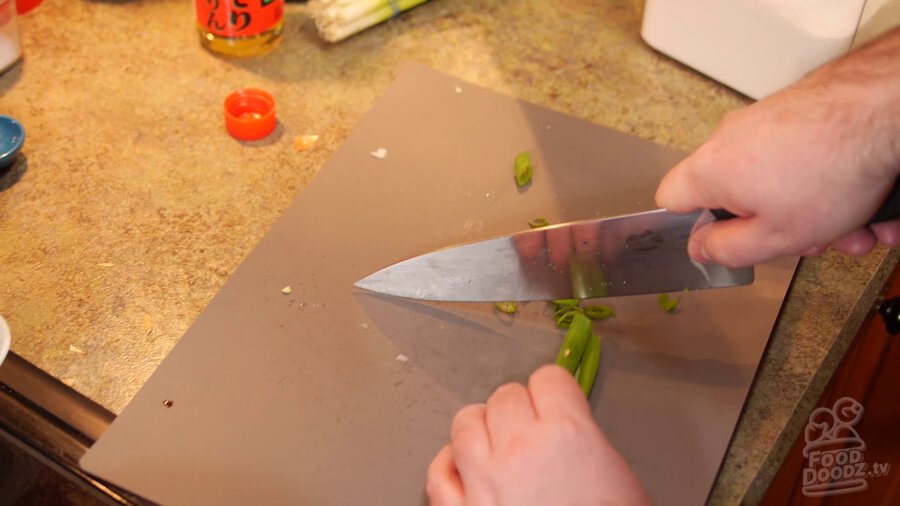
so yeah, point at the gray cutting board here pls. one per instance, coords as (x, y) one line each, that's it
(299, 399)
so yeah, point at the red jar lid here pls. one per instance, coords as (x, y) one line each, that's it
(249, 114)
(23, 6)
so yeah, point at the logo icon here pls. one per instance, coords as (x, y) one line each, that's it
(834, 449)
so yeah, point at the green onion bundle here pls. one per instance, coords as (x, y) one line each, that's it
(338, 19)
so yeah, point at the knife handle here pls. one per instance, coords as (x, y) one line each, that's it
(890, 210)
(722, 215)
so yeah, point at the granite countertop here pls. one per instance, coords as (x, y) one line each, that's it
(135, 205)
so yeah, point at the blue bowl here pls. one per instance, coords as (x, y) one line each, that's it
(12, 136)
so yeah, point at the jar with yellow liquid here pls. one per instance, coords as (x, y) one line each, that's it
(240, 27)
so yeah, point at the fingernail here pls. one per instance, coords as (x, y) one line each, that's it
(660, 199)
(704, 256)
(697, 253)
(813, 251)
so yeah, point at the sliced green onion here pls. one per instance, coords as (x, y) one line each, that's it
(573, 345)
(524, 169)
(538, 223)
(507, 307)
(590, 362)
(564, 320)
(599, 312)
(558, 303)
(668, 304)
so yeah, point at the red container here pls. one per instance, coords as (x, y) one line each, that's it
(249, 114)
(23, 6)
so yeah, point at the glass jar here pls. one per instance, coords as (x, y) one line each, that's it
(240, 27)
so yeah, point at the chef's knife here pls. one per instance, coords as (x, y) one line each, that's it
(624, 255)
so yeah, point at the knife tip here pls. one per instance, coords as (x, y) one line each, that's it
(364, 284)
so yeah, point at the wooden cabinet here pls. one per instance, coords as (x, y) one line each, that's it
(849, 451)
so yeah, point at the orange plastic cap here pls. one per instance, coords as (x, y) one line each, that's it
(249, 114)
(23, 6)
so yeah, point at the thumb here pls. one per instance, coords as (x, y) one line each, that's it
(736, 243)
(681, 192)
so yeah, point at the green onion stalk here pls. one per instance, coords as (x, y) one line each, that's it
(338, 19)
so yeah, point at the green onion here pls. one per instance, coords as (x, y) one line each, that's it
(590, 362)
(538, 222)
(599, 312)
(667, 303)
(588, 279)
(524, 169)
(564, 313)
(338, 19)
(558, 303)
(573, 345)
(507, 307)
(564, 320)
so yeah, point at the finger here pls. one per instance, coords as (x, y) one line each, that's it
(680, 191)
(444, 486)
(814, 251)
(887, 232)
(856, 243)
(469, 439)
(738, 242)
(554, 393)
(509, 410)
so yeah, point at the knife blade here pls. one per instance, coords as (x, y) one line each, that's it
(607, 257)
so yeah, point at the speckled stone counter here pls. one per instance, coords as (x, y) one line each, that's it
(135, 205)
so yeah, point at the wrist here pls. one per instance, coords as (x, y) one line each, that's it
(872, 76)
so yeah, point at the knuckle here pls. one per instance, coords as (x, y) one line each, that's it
(548, 372)
(506, 390)
(466, 412)
(569, 429)
(519, 451)
(466, 429)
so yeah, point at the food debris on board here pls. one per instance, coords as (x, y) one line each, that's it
(402, 358)
(538, 223)
(565, 309)
(286, 290)
(380, 153)
(305, 142)
(76, 350)
(668, 304)
(507, 307)
(524, 169)
(599, 312)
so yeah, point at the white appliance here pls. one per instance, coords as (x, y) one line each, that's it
(10, 48)
(758, 47)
